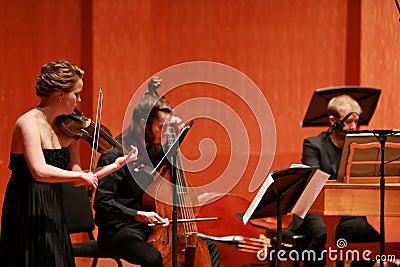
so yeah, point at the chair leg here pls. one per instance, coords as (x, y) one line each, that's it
(94, 262)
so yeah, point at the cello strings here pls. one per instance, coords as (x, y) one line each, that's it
(183, 198)
(186, 201)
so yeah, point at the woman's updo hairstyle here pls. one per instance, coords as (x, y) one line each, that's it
(58, 75)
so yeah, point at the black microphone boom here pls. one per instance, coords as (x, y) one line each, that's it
(339, 124)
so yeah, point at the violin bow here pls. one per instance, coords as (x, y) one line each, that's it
(96, 134)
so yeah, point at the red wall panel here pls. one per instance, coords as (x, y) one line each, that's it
(32, 33)
(288, 48)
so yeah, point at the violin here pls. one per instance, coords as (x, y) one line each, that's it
(77, 126)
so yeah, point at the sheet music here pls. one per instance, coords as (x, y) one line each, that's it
(310, 193)
(257, 198)
(306, 199)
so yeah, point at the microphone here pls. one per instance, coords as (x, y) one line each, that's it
(339, 124)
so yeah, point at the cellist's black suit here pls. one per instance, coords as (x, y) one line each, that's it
(118, 198)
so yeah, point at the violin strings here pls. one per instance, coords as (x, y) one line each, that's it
(110, 139)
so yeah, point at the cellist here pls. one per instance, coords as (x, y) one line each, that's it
(123, 224)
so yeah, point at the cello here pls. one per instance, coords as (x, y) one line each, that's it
(179, 244)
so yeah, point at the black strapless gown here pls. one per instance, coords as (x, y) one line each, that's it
(33, 229)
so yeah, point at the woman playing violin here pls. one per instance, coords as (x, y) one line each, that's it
(33, 229)
(123, 223)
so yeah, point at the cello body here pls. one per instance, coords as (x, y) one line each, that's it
(191, 251)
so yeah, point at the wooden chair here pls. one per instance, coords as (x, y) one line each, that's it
(79, 218)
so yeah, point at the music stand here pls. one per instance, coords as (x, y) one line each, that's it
(281, 197)
(316, 114)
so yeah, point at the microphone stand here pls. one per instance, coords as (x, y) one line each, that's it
(172, 156)
(381, 135)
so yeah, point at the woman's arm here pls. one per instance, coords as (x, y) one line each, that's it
(118, 163)
(27, 135)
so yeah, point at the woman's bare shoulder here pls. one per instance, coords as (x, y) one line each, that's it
(28, 117)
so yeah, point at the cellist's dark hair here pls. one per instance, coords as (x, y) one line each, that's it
(147, 108)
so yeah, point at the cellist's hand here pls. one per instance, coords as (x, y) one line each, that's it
(151, 218)
(131, 156)
(177, 123)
